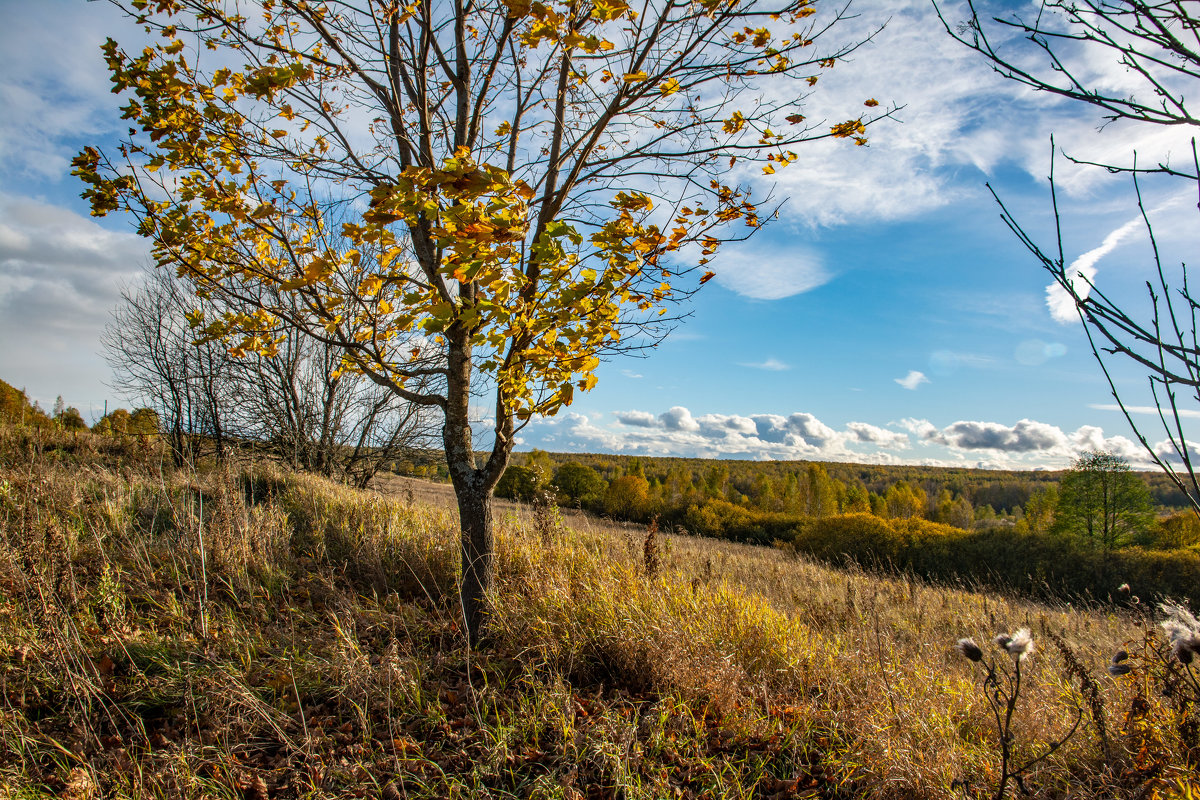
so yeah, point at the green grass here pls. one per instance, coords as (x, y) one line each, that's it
(310, 649)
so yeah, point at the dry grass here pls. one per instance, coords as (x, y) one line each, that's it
(298, 639)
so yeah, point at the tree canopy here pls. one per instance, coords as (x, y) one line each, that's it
(462, 196)
(1103, 500)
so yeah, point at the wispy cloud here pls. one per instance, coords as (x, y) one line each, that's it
(1153, 411)
(1082, 273)
(771, 365)
(912, 380)
(769, 270)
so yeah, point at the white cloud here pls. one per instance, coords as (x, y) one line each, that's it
(912, 380)
(637, 419)
(771, 365)
(53, 84)
(763, 270)
(1026, 444)
(1153, 411)
(870, 434)
(1081, 273)
(1025, 436)
(679, 419)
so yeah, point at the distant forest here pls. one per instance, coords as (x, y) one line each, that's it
(812, 488)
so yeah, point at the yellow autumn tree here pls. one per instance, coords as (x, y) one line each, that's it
(463, 197)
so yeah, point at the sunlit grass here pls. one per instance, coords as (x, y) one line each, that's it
(252, 633)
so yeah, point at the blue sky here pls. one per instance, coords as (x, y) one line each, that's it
(888, 315)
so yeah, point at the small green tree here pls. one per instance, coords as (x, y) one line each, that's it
(114, 423)
(70, 419)
(1039, 509)
(519, 483)
(577, 482)
(1101, 499)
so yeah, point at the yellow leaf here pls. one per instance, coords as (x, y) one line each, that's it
(668, 87)
(635, 77)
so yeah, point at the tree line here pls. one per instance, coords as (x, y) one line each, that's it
(1099, 500)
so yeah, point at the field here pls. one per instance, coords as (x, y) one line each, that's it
(252, 633)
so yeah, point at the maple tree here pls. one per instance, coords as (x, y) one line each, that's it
(462, 196)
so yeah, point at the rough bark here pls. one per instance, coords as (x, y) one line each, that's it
(472, 486)
(478, 557)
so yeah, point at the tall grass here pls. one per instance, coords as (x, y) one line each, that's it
(255, 633)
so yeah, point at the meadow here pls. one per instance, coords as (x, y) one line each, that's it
(249, 632)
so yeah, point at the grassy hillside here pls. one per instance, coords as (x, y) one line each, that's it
(255, 634)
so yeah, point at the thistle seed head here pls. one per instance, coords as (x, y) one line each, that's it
(1001, 640)
(1179, 624)
(969, 649)
(1020, 644)
(1182, 652)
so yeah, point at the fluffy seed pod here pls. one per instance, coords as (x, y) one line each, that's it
(969, 649)
(1020, 644)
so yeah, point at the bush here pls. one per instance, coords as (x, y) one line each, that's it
(1048, 567)
(519, 483)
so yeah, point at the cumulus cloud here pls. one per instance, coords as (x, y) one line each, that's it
(637, 419)
(679, 419)
(1023, 437)
(912, 380)
(677, 432)
(871, 434)
(1026, 444)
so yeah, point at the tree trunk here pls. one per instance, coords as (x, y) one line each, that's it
(472, 484)
(478, 557)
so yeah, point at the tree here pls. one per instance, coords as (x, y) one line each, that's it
(519, 483)
(627, 497)
(311, 413)
(1158, 44)
(156, 360)
(462, 197)
(905, 501)
(1102, 500)
(578, 483)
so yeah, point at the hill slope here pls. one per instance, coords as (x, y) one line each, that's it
(268, 635)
